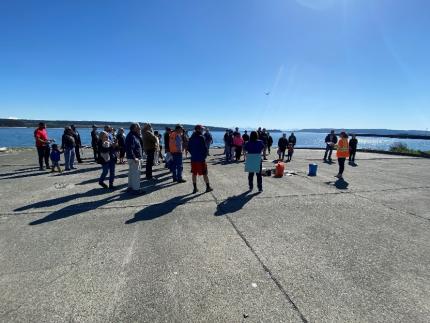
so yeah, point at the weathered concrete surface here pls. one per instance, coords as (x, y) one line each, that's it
(306, 249)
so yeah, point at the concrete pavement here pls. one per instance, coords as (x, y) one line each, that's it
(307, 249)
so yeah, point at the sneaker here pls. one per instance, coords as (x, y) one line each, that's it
(260, 190)
(209, 189)
(103, 185)
(195, 190)
(182, 180)
(338, 176)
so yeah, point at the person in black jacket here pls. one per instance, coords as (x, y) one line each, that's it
(331, 141)
(269, 142)
(265, 139)
(134, 152)
(353, 142)
(120, 137)
(292, 139)
(68, 145)
(78, 143)
(282, 146)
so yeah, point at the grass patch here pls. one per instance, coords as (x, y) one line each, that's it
(402, 148)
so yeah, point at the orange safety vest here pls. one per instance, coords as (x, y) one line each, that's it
(172, 143)
(342, 148)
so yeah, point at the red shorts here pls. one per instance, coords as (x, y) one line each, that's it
(199, 168)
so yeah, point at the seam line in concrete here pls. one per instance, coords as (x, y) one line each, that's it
(266, 269)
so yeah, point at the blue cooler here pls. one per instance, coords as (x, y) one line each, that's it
(313, 169)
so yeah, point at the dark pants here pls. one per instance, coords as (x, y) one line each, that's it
(290, 156)
(329, 151)
(259, 180)
(78, 154)
(282, 153)
(149, 163)
(268, 148)
(238, 151)
(43, 154)
(177, 166)
(341, 162)
(108, 167)
(352, 153)
(95, 153)
(227, 152)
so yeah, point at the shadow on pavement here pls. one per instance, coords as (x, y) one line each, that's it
(340, 184)
(234, 203)
(157, 210)
(47, 172)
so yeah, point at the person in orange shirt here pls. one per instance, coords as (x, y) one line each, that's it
(342, 153)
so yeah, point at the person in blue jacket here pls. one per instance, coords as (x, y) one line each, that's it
(254, 147)
(199, 152)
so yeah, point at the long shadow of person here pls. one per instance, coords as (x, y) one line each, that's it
(157, 210)
(234, 203)
(74, 209)
(340, 184)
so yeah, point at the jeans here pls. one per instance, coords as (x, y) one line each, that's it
(341, 162)
(43, 154)
(149, 163)
(177, 166)
(228, 152)
(69, 157)
(328, 150)
(108, 167)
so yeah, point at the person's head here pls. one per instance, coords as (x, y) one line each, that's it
(230, 131)
(42, 125)
(54, 147)
(94, 127)
(198, 128)
(67, 130)
(332, 132)
(103, 136)
(246, 131)
(120, 131)
(207, 130)
(147, 127)
(135, 128)
(156, 133)
(343, 135)
(227, 130)
(179, 129)
(264, 129)
(292, 134)
(107, 128)
(284, 135)
(168, 129)
(253, 136)
(73, 127)
(237, 128)
(259, 128)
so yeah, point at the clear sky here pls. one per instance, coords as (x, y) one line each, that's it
(326, 63)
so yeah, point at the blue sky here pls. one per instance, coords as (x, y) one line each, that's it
(326, 63)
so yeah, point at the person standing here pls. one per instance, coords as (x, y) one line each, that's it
(269, 142)
(78, 143)
(176, 147)
(107, 152)
(253, 163)
(55, 158)
(149, 146)
(331, 141)
(290, 152)
(265, 139)
(245, 138)
(68, 145)
(292, 139)
(208, 140)
(133, 150)
(157, 149)
(199, 152)
(185, 139)
(282, 146)
(121, 144)
(166, 139)
(238, 145)
(353, 142)
(42, 145)
(94, 140)
(342, 153)
(228, 142)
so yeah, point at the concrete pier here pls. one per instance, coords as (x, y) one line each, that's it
(307, 249)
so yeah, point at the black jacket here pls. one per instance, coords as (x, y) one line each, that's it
(269, 141)
(77, 137)
(327, 139)
(353, 143)
(292, 140)
(94, 138)
(282, 143)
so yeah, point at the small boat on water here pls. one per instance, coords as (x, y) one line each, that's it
(3, 149)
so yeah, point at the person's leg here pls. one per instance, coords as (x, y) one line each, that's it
(194, 179)
(353, 155)
(72, 158)
(251, 180)
(327, 147)
(46, 155)
(78, 154)
(341, 162)
(259, 181)
(268, 148)
(149, 163)
(40, 155)
(66, 159)
(174, 167)
(95, 153)
(180, 167)
(105, 170)
(112, 164)
(330, 152)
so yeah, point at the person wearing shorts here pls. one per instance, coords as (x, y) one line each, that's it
(199, 151)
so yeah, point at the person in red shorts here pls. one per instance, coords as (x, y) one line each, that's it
(199, 151)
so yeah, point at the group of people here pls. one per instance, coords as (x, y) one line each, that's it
(111, 147)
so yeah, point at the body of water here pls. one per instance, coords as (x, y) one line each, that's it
(23, 137)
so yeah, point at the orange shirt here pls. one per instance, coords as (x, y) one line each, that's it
(342, 148)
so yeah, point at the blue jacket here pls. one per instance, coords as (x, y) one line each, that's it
(197, 147)
(254, 147)
(133, 146)
(55, 155)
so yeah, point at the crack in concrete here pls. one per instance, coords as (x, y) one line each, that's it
(264, 266)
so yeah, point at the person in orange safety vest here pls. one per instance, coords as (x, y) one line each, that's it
(342, 153)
